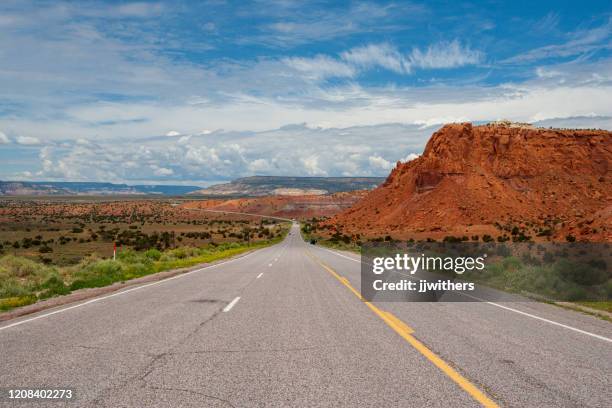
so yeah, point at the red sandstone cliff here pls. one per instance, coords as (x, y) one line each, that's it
(471, 177)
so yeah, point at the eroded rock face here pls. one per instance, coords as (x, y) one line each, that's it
(481, 175)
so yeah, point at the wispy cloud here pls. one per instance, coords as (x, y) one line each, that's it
(445, 55)
(377, 55)
(387, 57)
(4, 138)
(300, 23)
(320, 67)
(579, 42)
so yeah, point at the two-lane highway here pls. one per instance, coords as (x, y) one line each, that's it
(280, 327)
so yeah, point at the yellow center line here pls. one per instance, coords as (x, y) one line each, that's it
(406, 332)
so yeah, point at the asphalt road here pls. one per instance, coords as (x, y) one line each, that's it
(282, 327)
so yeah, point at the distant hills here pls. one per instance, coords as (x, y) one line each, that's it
(42, 188)
(256, 186)
(259, 186)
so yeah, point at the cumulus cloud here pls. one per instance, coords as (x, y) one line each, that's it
(173, 133)
(380, 163)
(290, 150)
(410, 157)
(4, 138)
(311, 165)
(162, 171)
(27, 140)
(445, 55)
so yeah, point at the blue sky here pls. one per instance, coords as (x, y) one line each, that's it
(197, 92)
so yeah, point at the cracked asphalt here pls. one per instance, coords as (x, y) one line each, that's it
(299, 338)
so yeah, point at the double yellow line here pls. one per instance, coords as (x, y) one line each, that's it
(406, 332)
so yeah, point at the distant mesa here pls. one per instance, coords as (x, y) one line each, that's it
(53, 188)
(261, 186)
(474, 180)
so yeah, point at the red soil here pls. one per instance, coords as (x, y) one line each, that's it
(301, 207)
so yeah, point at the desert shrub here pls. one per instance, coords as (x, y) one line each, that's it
(23, 267)
(136, 270)
(581, 273)
(11, 287)
(129, 255)
(575, 294)
(53, 286)
(101, 273)
(153, 254)
(17, 301)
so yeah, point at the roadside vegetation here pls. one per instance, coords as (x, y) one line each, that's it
(315, 234)
(24, 281)
(585, 282)
(63, 233)
(550, 272)
(49, 249)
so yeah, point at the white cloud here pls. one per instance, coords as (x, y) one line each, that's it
(380, 163)
(320, 67)
(436, 121)
(260, 166)
(184, 139)
(377, 55)
(4, 138)
(311, 165)
(297, 25)
(173, 133)
(385, 56)
(27, 140)
(410, 157)
(543, 72)
(445, 55)
(579, 42)
(163, 171)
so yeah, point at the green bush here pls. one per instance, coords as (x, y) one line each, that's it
(153, 254)
(22, 267)
(98, 274)
(53, 286)
(581, 273)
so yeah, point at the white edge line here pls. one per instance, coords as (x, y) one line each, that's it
(597, 336)
(231, 304)
(122, 292)
(339, 254)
